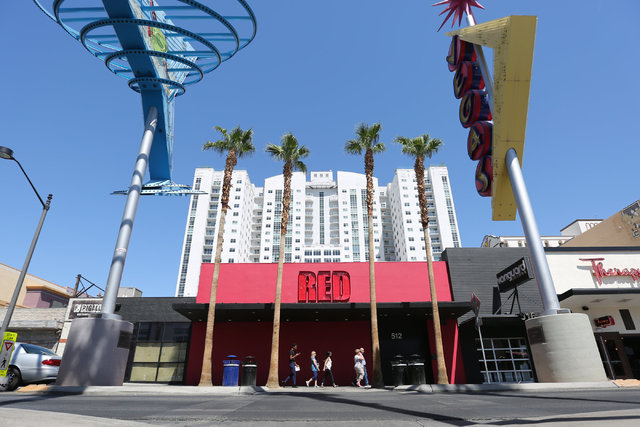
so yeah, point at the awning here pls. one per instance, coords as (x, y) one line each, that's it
(319, 312)
(600, 296)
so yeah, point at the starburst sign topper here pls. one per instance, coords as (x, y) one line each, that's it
(459, 7)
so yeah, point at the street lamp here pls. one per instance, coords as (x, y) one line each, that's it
(7, 153)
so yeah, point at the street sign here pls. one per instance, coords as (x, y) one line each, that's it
(475, 306)
(8, 344)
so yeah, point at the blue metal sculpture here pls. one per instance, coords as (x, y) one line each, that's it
(160, 50)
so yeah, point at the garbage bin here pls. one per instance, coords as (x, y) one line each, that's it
(249, 371)
(398, 367)
(230, 371)
(416, 370)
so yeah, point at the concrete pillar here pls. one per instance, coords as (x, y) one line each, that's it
(96, 352)
(564, 349)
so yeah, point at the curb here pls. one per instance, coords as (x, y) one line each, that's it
(160, 389)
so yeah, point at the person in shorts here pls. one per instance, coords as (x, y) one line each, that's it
(359, 368)
(314, 370)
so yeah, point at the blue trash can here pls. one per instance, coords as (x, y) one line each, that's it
(231, 371)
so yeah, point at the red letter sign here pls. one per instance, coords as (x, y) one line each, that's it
(307, 287)
(341, 286)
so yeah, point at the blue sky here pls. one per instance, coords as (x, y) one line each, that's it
(316, 69)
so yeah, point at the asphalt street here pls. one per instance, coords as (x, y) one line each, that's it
(321, 407)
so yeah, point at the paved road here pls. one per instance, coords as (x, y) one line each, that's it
(371, 408)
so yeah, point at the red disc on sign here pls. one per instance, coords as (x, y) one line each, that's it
(474, 107)
(484, 176)
(479, 140)
(459, 50)
(468, 76)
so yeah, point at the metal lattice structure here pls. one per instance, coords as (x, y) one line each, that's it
(160, 49)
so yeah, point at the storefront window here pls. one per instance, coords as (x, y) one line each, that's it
(505, 360)
(158, 352)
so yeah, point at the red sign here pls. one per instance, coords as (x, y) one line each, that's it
(604, 321)
(325, 286)
(8, 345)
(599, 271)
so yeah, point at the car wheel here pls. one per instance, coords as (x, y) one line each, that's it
(14, 378)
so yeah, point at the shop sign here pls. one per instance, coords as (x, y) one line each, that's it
(324, 286)
(85, 308)
(604, 321)
(514, 275)
(598, 270)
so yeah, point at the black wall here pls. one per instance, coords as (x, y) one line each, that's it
(475, 269)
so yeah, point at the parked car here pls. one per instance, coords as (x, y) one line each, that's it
(31, 364)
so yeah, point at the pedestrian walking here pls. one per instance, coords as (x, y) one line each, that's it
(314, 370)
(326, 367)
(364, 367)
(357, 365)
(293, 366)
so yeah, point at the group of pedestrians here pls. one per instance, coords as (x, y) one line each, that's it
(359, 364)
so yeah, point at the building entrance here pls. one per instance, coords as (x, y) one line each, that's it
(405, 338)
(620, 355)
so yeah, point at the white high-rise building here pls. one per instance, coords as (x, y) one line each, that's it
(327, 220)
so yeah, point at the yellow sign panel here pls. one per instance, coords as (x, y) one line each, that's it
(8, 345)
(512, 39)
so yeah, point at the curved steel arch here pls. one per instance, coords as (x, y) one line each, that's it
(157, 75)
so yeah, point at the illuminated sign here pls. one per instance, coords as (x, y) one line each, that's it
(324, 286)
(604, 321)
(475, 112)
(598, 270)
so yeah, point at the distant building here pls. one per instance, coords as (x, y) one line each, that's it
(576, 228)
(35, 292)
(327, 221)
(620, 229)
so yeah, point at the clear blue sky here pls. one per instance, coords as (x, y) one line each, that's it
(316, 69)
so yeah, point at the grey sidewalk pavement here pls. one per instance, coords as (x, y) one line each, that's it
(159, 389)
(33, 418)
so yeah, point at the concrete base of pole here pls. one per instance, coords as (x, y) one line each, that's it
(96, 353)
(564, 349)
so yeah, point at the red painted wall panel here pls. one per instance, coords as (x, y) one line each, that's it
(256, 283)
(254, 339)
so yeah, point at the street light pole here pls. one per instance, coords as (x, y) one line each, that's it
(6, 153)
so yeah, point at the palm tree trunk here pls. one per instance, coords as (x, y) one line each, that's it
(424, 216)
(272, 380)
(205, 374)
(377, 380)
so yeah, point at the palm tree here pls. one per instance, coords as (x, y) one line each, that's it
(419, 148)
(238, 143)
(368, 141)
(290, 153)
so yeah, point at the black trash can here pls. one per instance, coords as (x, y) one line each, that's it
(416, 370)
(398, 367)
(230, 371)
(249, 371)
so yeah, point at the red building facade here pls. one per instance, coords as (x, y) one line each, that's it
(325, 307)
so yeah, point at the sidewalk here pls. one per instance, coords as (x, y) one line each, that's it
(160, 389)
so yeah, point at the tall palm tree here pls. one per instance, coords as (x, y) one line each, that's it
(237, 144)
(291, 154)
(419, 148)
(367, 140)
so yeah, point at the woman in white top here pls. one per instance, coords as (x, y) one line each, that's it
(327, 370)
(359, 367)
